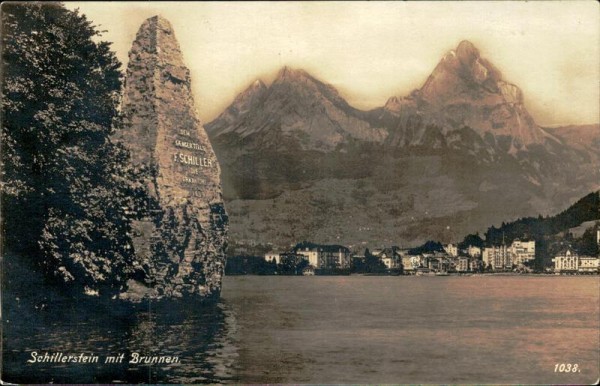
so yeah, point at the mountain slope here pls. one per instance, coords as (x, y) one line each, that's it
(584, 138)
(452, 157)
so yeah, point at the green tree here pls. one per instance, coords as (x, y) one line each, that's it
(66, 188)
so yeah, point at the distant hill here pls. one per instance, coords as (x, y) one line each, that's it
(579, 230)
(584, 138)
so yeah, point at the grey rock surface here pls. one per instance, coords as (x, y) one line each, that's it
(180, 245)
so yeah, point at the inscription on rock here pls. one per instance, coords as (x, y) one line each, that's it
(189, 145)
(188, 159)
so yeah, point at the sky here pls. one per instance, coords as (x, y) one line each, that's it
(371, 51)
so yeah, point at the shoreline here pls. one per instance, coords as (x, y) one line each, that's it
(434, 275)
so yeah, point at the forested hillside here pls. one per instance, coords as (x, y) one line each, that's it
(585, 209)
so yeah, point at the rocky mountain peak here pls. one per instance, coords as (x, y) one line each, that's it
(466, 89)
(255, 90)
(287, 73)
(461, 72)
(258, 84)
(466, 52)
(243, 103)
(297, 109)
(302, 87)
(304, 83)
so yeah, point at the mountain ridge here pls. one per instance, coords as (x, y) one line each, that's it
(296, 103)
(464, 89)
(424, 165)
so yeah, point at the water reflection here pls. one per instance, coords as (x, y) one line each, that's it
(199, 340)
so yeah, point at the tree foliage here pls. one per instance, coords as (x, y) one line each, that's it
(428, 247)
(471, 240)
(67, 190)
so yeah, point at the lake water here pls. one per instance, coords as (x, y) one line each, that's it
(344, 329)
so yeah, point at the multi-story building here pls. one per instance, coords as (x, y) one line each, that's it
(463, 264)
(566, 262)
(502, 257)
(410, 263)
(588, 264)
(451, 249)
(445, 262)
(324, 256)
(497, 257)
(522, 251)
(474, 251)
(313, 255)
(476, 265)
(389, 257)
(486, 257)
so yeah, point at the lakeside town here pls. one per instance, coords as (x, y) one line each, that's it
(435, 259)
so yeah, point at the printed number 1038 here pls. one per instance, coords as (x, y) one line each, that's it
(566, 368)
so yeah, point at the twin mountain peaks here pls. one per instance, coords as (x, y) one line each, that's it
(464, 90)
(454, 156)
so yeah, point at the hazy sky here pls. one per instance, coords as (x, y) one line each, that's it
(373, 50)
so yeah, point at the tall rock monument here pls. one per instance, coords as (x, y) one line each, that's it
(180, 243)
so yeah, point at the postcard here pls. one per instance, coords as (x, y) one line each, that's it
(300, 192)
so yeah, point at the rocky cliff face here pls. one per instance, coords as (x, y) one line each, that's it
(180, 245)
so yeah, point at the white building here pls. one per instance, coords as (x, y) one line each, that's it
(486, 256)
(522, 251)
(474, 251)
(589, 264)
(497, 257)
(451, 249)
(388, 257)
(566, 262)
(325, 256)
(312, 255)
